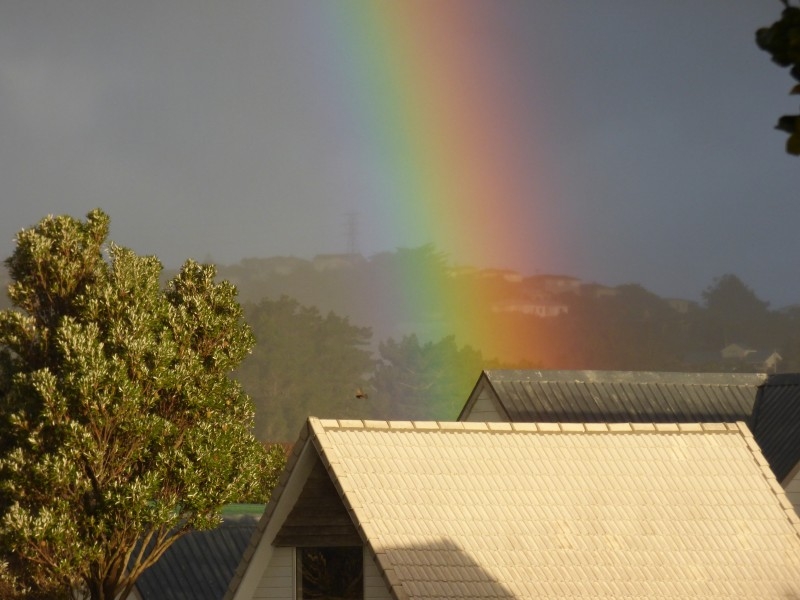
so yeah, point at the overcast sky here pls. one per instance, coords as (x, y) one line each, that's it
(198, 127)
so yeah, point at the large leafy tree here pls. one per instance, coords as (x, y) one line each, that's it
(120, 428)
(782, 41)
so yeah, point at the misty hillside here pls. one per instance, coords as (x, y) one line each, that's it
(333, 339)
(551, 321)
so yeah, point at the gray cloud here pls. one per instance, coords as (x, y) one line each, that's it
(205, 128)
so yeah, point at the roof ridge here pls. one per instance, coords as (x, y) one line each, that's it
(320, 426)
(269, 509)
(689, 374)
(774, 485)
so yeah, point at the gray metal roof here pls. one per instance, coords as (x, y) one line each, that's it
(776, 422)
(770, 405)
(201, 564)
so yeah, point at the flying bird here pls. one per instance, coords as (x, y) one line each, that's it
(361, 394)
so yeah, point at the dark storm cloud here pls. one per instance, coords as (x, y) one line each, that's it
(201, 127)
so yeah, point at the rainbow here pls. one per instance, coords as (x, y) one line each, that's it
(428, 89)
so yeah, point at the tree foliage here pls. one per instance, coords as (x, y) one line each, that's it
(730, 297)
(782, 41)
(120, 427)
(736, 314)
(425, 381)
(273, 463)
(631, 329)
(303, 364)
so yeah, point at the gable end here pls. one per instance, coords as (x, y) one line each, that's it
(318, 518)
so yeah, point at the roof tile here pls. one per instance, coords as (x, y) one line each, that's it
(499, 426)
(769, 404)
(669, 511)
(643, 427)
(201, 564)
(597, 427)
(450, 425)
(525, 427)
(619, 427)
(549, 427)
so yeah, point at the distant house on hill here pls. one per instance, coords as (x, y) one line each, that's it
(500, 274)
(751, 361)
(276, 265)
(680, 305)
(736, 351)
(769, 404)
(765, 360)
(540, 306)
(554, 284)
(407, 510)
(595, 290)
(335, 262)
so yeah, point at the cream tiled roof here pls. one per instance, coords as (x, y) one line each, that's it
(770, 404)
(474, 510)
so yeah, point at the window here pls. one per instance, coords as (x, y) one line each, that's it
(335, 573)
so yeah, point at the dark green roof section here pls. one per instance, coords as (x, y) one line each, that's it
(241, 510)
(769, 404)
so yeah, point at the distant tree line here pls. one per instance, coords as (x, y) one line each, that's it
(331, 341)
(317, 351)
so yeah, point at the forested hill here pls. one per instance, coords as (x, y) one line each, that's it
(328, 348)
(331, 342)
(543, 320)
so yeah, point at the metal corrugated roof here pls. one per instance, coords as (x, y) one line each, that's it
(769, 404)
(625, 396)
(776, 422)
(201, 564)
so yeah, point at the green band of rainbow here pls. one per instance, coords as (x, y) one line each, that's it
(427, 88)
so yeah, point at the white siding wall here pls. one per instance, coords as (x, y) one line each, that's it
(375, 587)
(792, 488)
(277, 583)
(484, 410)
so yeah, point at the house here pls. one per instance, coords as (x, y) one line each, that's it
(554, 284)
(742, 357)
(413, 510)
(765, 360)
(200, 565)
(508, 275)
(769, 404)
(597, 291)
(541, 306)
(262, 268)
(336, 262)
(680, 305)
(736, 351)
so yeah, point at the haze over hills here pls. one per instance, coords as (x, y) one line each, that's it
(532, 315)
(622, 142)
(537, 319)
(321, 315)
(380, 346)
